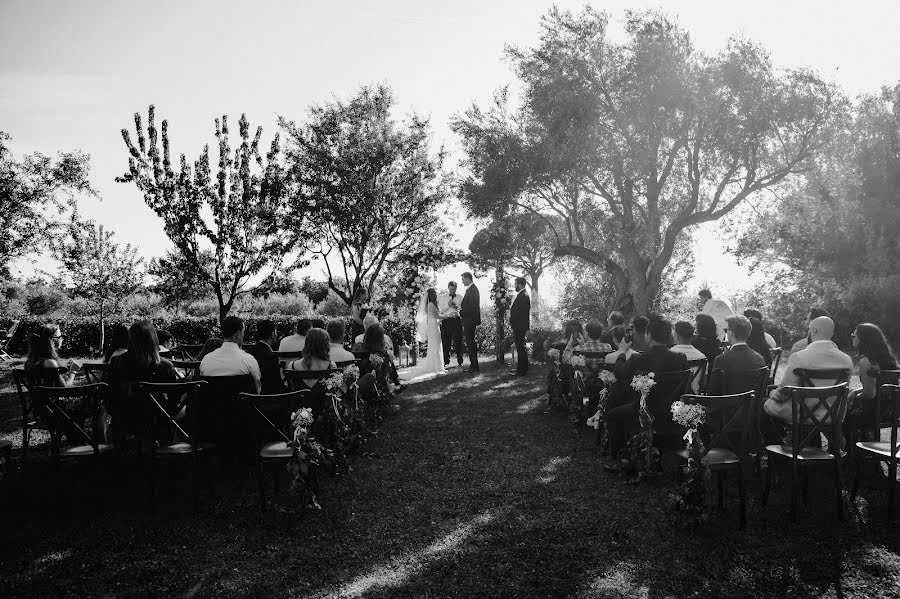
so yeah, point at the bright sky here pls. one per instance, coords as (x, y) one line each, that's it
(72, 74)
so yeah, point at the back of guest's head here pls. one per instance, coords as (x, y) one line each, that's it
(373, 339)
(316, 345)
(594, 329)
(318, 323)
(706, 326)
(740, 327)
(369, 320)
(265, 329)
(41, 346)
(231, 326)
(618, 333)
(640, 324)
(757, 336)
(753, 313)
(572, 326)
(303, 326)
(874, 345)
(821, 329)
(684, 330)
(615, 318)
(118, 341)
(211, 345)
(660, 330)
(336, 330)
(705, 293)
(164, 337)
(143, 345)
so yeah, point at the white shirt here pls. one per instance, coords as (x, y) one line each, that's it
(230, 360)
(691, 352)
(292, 343)
(337, 353)
(770, 340)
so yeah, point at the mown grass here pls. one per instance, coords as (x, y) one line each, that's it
(468, 491)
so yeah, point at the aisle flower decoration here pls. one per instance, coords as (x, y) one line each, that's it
(376, 361)
(554, 381)
(308, 454)
(690, 496)
(643, 455)
(598, 420)
(578, 395)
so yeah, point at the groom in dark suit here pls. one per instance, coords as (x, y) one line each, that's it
(520, 320)
(470, 314)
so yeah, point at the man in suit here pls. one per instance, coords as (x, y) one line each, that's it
(658, 358)
(451, 327)
(820, 354)
(470, 315)
(520, 321)
(736, 362)
(269, 369)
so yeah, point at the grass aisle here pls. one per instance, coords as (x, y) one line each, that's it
(470, 492)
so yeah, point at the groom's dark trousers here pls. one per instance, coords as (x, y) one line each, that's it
(451, 334)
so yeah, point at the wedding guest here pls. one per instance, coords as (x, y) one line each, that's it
(269, 367)
(618, 334)
(374, 344)
(43, 352)
(230, 359)
(641, 342)
(757, 341)
(820, 354)
(520, 322)
(368, 321)
(336, 330)
(211, 345)
(707, 337)
(574, 335)
(736, 362)
(451, 327)
(118, 344)
(594, 330)
(316, 354)
(294, 343)
(359, 307)
(470, 316)
(754, 313)
(318, 323)
(140, 363)
(166, 343)
(814, 313)
(614, 319)
(874, 354)
(684, 333)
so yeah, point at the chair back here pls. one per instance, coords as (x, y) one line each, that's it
(188, 352)
(220, 415)
(186, 368)
(755, 379)
(361, 355)
(345, 363)
(669, 387)
(167, 400)
(816, 410)
(94, 371)
(296, 379)
(808, 376)
(887, 404)
(10, 332)
(698, 378)
(775, 352)
(54, 399)
(882, 406)
(727, 417)
(25, 383)
(273, 414)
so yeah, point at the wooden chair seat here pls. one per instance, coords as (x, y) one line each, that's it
(717, 456)
(5, 445)
(807, 454)
(84, 451)
(879, 448)
(180, 449)
(277, 450)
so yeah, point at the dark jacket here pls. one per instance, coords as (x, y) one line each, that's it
(520, 312)
(710, 347)
(269, 368)
(657, 359)
(735, 363)
(470, 310)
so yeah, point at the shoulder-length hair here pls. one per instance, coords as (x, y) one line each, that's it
(317, 345)
(143, 345)
(873, 345)
(706, 326)
(373, 340)
(40, 345)
(432, 296)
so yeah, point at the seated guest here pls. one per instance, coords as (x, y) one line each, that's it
(757, 341)
(374, 343)
(641, 342)
(336, 330)
(316, 356)
(684, 332)
(212, 344)
(813, 314)
(594, 329)
(820, 354)
(165, 343)
(43, 352)
(874, 354)
(368, 321)
(618, 334)
(736, 361)
(574, 335)
(624, 419)
(295, 342)
(614, 319)
(706, 338)
(230, 359)
(318, 323)
(269, 367)
(118, 345)
(754, 313)
(140, 363)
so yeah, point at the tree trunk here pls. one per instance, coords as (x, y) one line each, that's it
(102, 331)
(535, 299)
(224, 308)
(501, 319)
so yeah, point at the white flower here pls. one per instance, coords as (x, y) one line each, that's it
(351, 372)
(334, 382)
(553, 355)
(607, 376)
(688, 415)
(642, 383)
(375, 360)
(578, 362)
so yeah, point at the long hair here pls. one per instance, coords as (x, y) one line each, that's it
(360, 296)
(432, 296)
(706, 326)
(118, 340)
(572, 326)
(757, 339)
(317, 345)
(373, 340)
(143, 345)
(40, 345)
(874, 345)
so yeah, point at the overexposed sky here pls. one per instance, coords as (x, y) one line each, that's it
(72, 73)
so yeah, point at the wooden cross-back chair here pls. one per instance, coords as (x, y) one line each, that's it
(670, 385)
(594, 359)
(345, 363)
(186, 369)
(286, 357)
(814, 411)
(188, 352)
(887, 409)
(221, 416)
(755, 380)
(699, 372)
(728, 417)
(5, 338)
(182, 445)
(272, 416)
(775, 353)
(94, 371)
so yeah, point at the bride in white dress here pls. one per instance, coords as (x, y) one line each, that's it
(428, 322)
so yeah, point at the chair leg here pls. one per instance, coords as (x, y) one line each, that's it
(26, 439)
(720, 483)
(892, 482)
(794, 495)
(261, 477)
(857, 462)
(838, 487)
(742, 498)
(804, 474)
(276, 480)
(768, 485)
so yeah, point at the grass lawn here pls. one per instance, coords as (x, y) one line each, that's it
(467, 491)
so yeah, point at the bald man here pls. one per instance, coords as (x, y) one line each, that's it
(820, 354)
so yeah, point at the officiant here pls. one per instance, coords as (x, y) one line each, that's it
(451, 325)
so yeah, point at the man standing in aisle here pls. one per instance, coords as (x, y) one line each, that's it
(451, 327)
(470, 314)
(519, 321)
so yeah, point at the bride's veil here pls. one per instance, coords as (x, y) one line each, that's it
(422, 318)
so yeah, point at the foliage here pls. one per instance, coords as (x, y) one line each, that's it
(374, 187)
(34, 193)
(633, 143)
(177, 280)
(240, 212)
(587, 291)
(102, 272)
(316, 291)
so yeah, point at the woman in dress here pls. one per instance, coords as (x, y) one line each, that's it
(434, 359)
(757, 340)
(874, 354)
(706, 338)
(358, 309)
(316, 356)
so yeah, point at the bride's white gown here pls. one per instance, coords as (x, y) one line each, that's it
(434, 360)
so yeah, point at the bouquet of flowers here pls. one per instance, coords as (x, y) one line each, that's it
(578, 362)
(376, 361)
(644, 456)
(334, 382)
(553, 355)
(307, 453)
(351, 374)
(690, 496)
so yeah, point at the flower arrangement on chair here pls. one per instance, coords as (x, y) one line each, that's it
(577, 391)
(598, 420)
(690, 496)
(308, 455)
(644, 457)
(554, 381)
